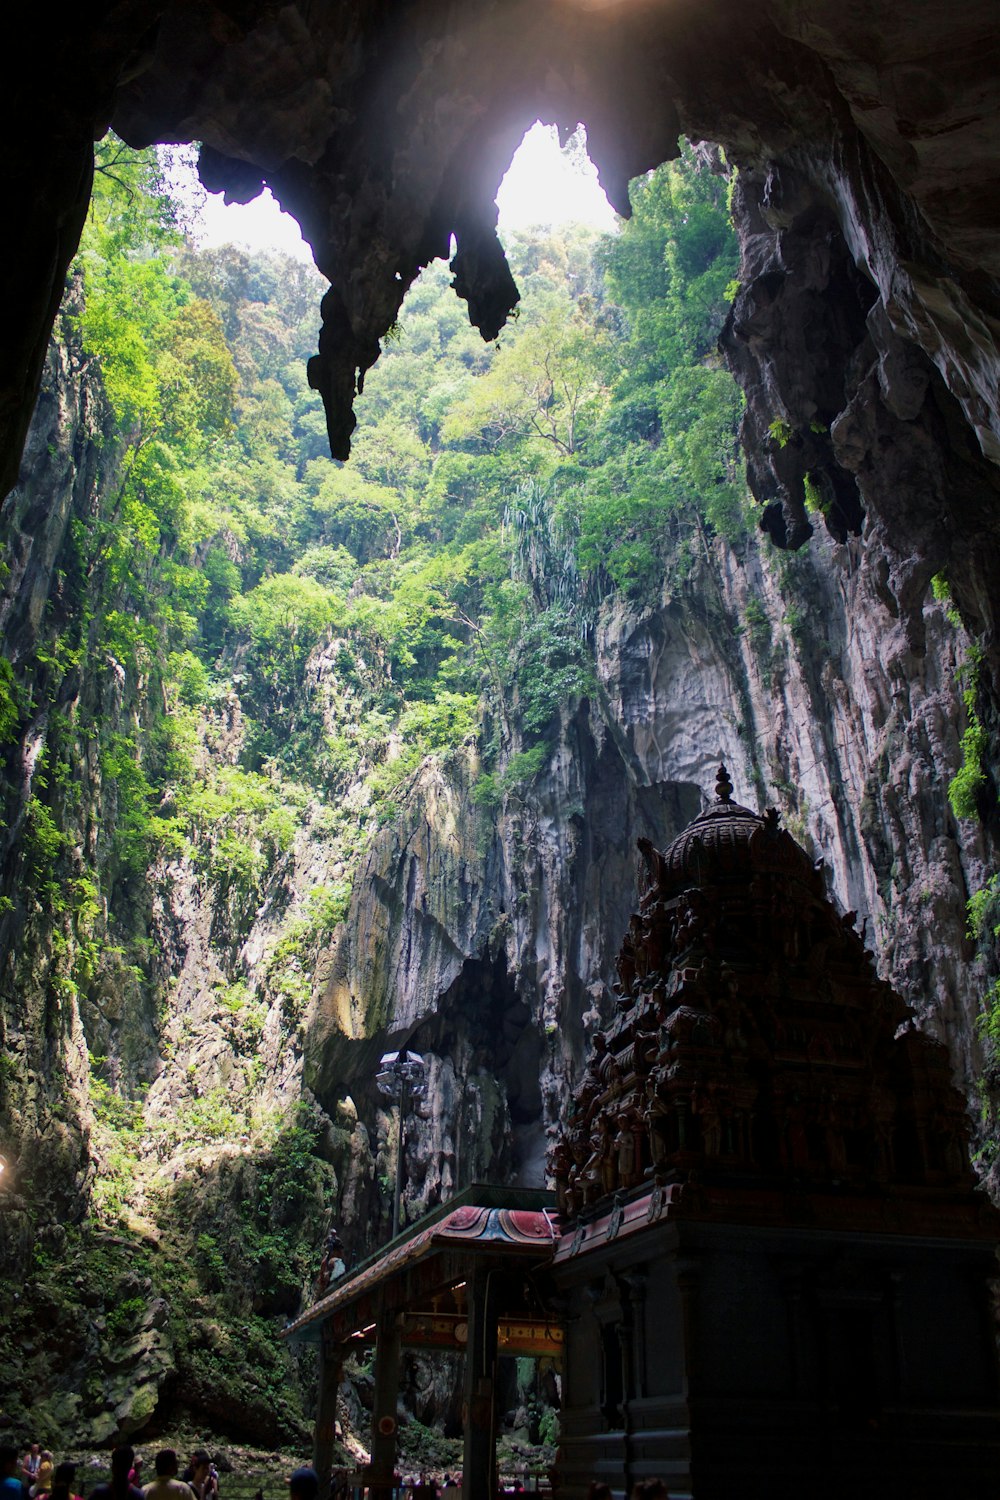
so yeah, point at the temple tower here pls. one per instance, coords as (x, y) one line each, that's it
(774, 1257)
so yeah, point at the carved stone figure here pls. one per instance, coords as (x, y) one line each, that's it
(655, 1117)
(704, 1106)
(625, 1147)
(559, 1160)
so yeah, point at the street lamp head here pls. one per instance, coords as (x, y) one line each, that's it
(401, 1074)
(399, 1069)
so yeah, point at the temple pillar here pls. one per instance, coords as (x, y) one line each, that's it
(479, 1481)
(384, 1424)
(635, 1281)
(331, 1362)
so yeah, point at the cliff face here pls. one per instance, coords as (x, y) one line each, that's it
(237, 983)
(111, 1023)
(71, 457)
(63, 992)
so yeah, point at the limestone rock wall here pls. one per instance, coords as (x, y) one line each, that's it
(865, 336)
(84, 1326)
(71, 458)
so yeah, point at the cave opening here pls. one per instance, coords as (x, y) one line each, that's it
(486, 1030)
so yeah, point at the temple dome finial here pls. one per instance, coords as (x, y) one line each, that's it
(723, 785)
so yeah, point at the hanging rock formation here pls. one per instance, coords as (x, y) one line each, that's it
(385, 131)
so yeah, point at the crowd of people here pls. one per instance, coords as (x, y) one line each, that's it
(36, 1476)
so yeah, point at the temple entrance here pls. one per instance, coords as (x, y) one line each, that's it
(468, 1279)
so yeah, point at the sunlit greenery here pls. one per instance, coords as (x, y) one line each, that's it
(969, 780)
(291, 638)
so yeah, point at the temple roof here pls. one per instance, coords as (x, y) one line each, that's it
(501, 1223)
(729, 842)
(754, 1049)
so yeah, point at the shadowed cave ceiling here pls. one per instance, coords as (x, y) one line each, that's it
(867, 135)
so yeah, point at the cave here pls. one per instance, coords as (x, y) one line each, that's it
(482, 1021)
(865, 144)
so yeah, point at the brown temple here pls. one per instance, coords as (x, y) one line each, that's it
(754, 1046)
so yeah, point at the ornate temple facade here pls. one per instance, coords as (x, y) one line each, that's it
(770, 1273)
(774, 1260)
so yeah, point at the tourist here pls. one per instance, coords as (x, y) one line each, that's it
(204, 1476)
(119, 1486)
(10, 1485)
(333, 1263)
(304, 1484)
(64, 1482)
(30, 1464)
(650, 1489)
(43, 1483)
(166, 1485)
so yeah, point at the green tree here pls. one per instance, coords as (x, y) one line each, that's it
(547, 384)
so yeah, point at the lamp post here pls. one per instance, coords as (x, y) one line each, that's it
(401, 1074)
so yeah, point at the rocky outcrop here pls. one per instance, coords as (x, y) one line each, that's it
(71, 456)
(842, 400)
(101, 1325)
(77, 1300)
